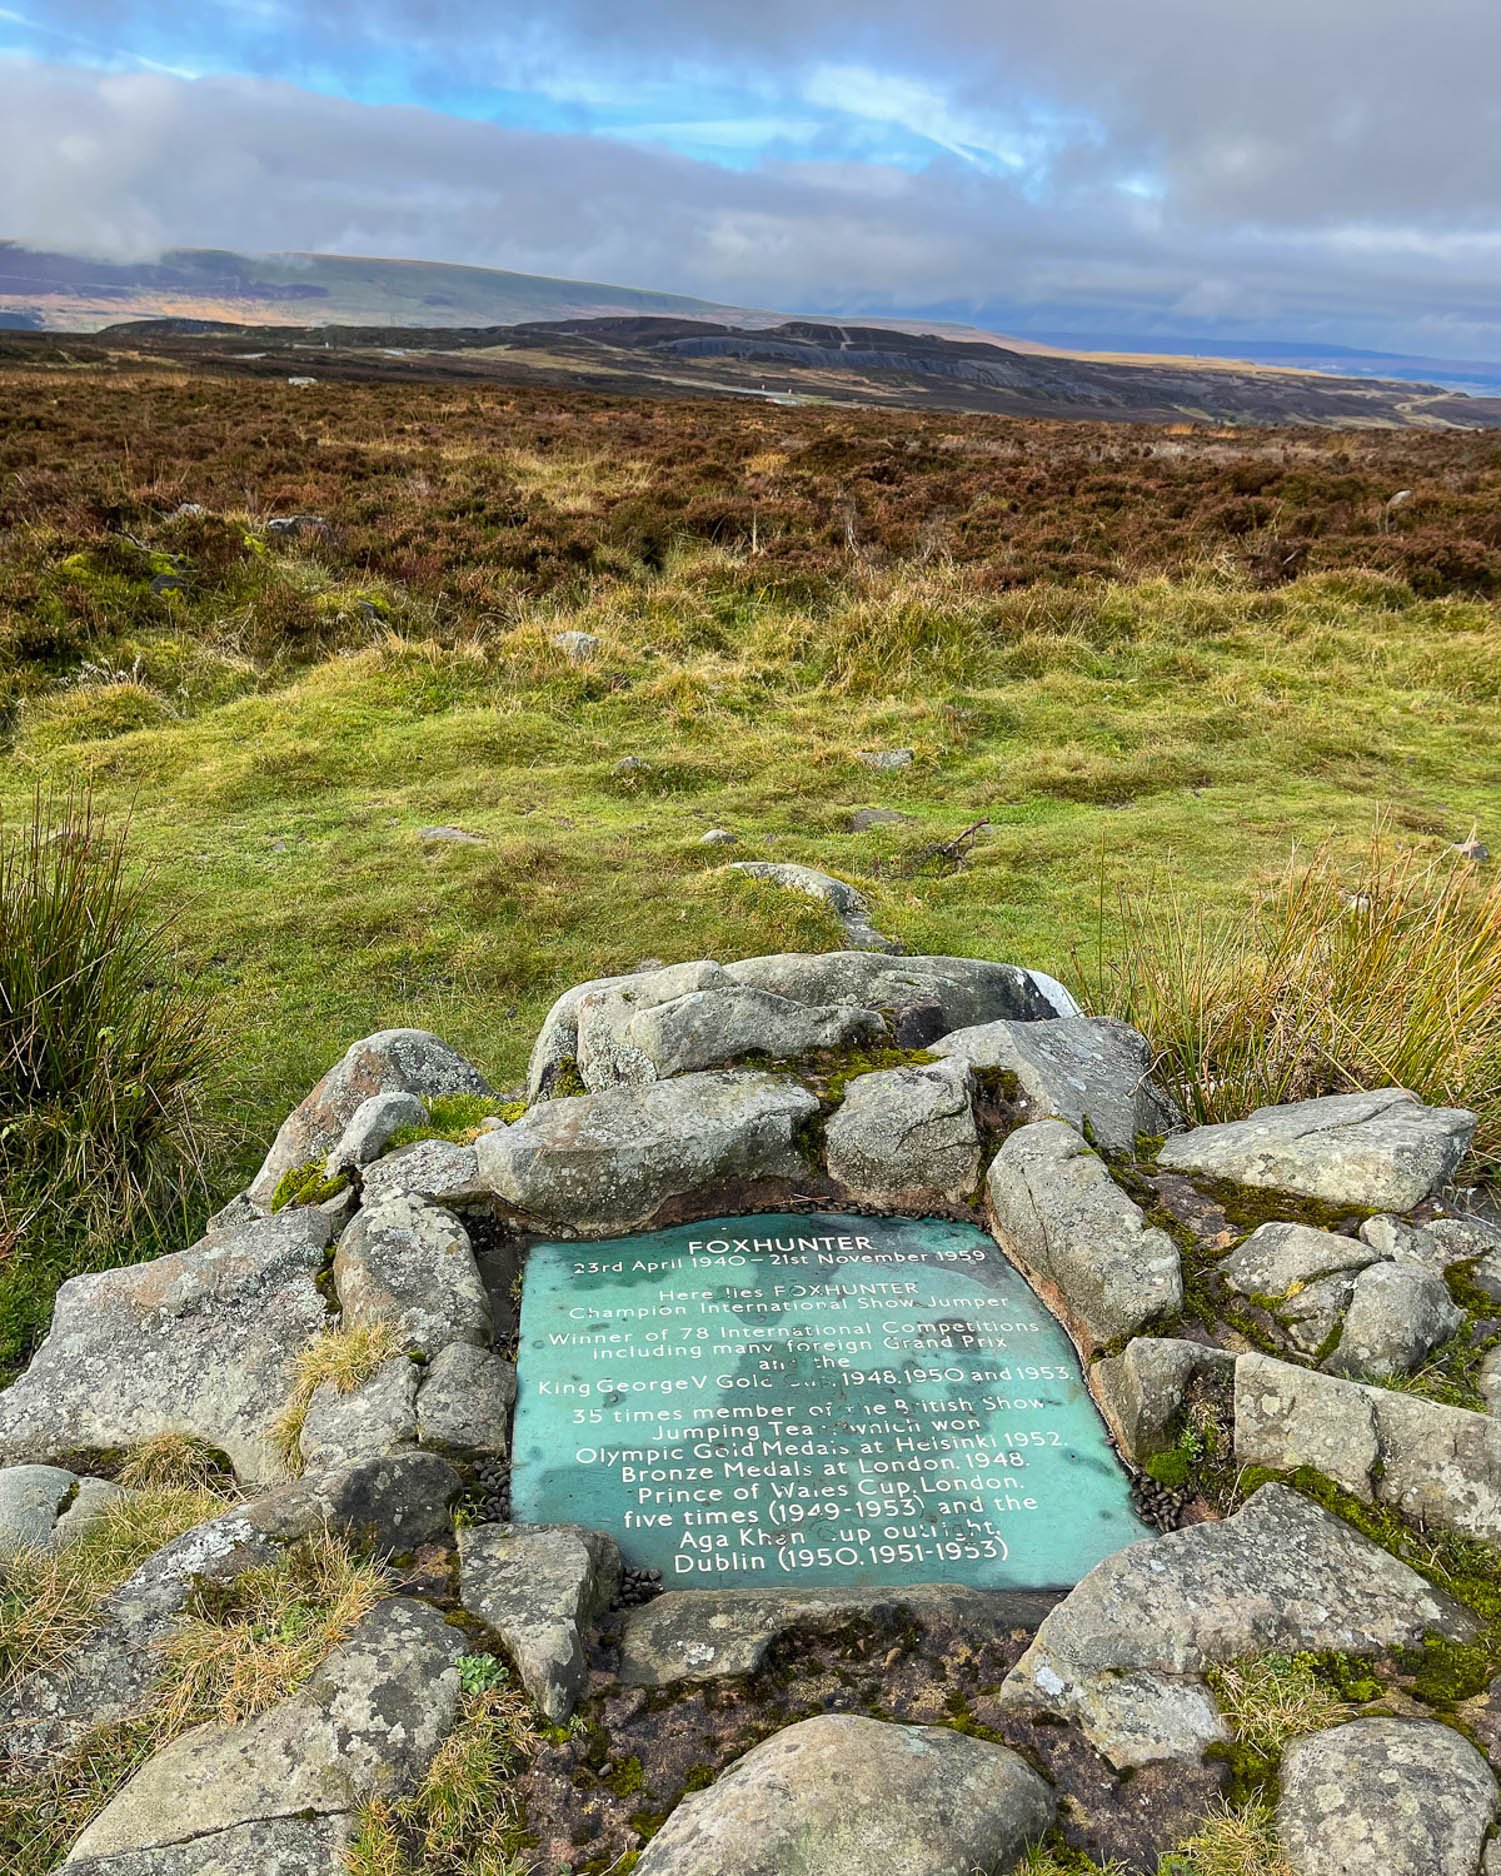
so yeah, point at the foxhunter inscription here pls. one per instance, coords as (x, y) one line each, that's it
(811, 1399)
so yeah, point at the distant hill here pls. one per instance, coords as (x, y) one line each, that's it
(64, 293)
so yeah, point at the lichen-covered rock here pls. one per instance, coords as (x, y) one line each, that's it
(906, 1136)
(605, 1163)
(1091, 1071)
(371, 1126)
(32, 1499)
(1435, 1464)
(631, 1035)
(1277, 1258)
(277, 1846)
(1379, 1151)
(1059, 1215)
(388, 1503)
(409, 1264)
(464, 1408)
(1439, 1243)
(848, 906)
(1402, 1797)
(436, 1170)
(1124, 1654)
(968, 991)
(843, 1796)
(538, 1586)
(407, 1061)
(1397, 1315)
(201, 1342)
(1143, 1390)
(379, 1417)
(367, 1725)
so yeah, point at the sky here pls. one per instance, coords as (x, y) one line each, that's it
(1322, 171)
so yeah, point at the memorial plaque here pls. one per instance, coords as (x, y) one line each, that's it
(816, 1400)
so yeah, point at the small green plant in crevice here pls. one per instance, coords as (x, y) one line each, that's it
(1054, 1858)
(1234, 1841)
(462, 1820)
(566, 1080)
(345, 1357)
(1268, 1701)
(455, 1117)
(309, 1184)
(482, 1674)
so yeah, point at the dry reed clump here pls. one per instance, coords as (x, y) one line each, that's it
(1331, 981)
(346, 1358)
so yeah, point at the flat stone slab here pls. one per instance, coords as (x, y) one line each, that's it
(1381, 1151)
(1402, 1797)
(708, 1634)
(278, 1846)
(841, 1796)
(1124, 1655)
(906, 1137)
(811, 1399)
(1091, 1071)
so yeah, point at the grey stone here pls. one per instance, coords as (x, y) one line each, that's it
(1277, 1257)
(408, 1061)
(1438, 1244)
(708, 1634)
(464, 1407)
(367, 1725)
(371, 1126)
(389, 1502)
(32, 1498)
(408, 1263)
(1398, 1314)
(1402, 1797)
(448, 837)
(847, 905)
(1382, 1151)
(278, 1846)
(1472, 849)
(1091, 1071)
(538, 1586)
(884, 758)
(863, 819)
(647, 1031)
(1313, 1315)
(380, 1417)
(906, 1136)
(969, 991)
(1488, 1381)
(578, 647)
(843, 1796)
(918, 1025)
(1142, 1391)
(1435, 1464)
(438, 1170)
(202, 1342)
(718, 837)
(607, 1162)
(295, 526)
(89, 1504)
(1060, 1217)
(1124, 1654)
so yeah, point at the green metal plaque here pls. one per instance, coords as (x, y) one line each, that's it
(811, 1400)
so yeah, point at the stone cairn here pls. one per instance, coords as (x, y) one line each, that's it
(1249, 1298)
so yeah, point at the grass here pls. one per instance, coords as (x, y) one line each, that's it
(346, 1358)
(1272, 1699)
(1234, 1842)
(462, 1821)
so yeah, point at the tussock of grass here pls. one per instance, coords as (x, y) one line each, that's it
(175, 1461)
(454, 1117)
(463, 1820)
(1340, 978)
(1232, 1843)
(50, 1599)
(1272, 1699)
(1041, 1861)
(344, 1357)
(239, 1651)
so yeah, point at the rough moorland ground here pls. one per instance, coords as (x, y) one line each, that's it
(1184, 649)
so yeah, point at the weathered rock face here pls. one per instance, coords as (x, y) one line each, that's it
(464, 1408)
(200, 1342)
(840, 1796)
(371, 1126)
(1438, 1244)
(1398, 1314)
(409, 1264)
(1383, 1151)
(906, 1136)
(1435, 1464)
(847, 905)
(1124, 1653)
(628, 1035)
(538, 1586)
(1059, 1215)
(1405, 1797)
(1143, 1389)
(32, 1498)
(968, 991)
(1276, 1258)
(605, 1163)
(380, 1417)
(367, 1725)
(391, 1502)
(1090, 1071)
(281, 1846)
(408, 1061)
(436, 1170)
